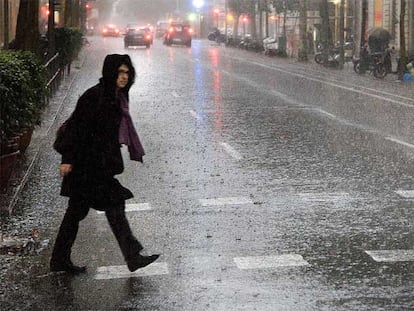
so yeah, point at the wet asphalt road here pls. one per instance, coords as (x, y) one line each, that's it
(302, 164)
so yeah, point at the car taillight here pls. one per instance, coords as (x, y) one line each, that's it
(116, 30)
(148, 37)
(105, 30)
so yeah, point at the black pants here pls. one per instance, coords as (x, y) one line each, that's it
(77, 211)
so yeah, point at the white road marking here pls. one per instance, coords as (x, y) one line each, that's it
(194, 114)
(119, 272)
(395, 140)
(134, 207)
(265, 262)
(408, 194)
(175, 94)
(395, 255)
(225, 201)
(325, 197)
(231, 151)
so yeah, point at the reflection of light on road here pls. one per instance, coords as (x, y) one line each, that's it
(217, 99)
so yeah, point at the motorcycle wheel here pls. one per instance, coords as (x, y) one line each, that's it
(380, 72)
(319, 59)
(357, 66)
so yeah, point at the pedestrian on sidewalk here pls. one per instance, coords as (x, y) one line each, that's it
(90, 145)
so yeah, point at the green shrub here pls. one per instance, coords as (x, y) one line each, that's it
(22, 91)
(68, 44)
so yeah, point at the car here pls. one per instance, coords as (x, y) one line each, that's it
(141, 36)
(110, 30)
(178, 33)
(160, 28)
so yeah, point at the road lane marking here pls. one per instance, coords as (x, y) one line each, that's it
(325, 197)
(134, 207)
(194, 114)
(231, 151)
(265, 262)
(395, 140)
(175, 94)
(408, 194)
(119, 272)
(225, 201)
(395, 255)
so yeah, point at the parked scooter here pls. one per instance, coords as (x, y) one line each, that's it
(270, 46)
(328, 57)
(216, 36)
(372, 62)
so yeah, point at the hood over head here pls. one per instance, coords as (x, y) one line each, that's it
(110, 73)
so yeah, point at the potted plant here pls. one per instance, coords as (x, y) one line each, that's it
(22, 91)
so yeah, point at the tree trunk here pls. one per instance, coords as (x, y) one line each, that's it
(76, 14)
(252, 13)
(68, 13)
(364, 18)
(6, 25)
(27, 29)
(357, 37)
(303, 44)
(326, 35)
(260, 20)
(403, 49)
(341, 34)
(51, 28)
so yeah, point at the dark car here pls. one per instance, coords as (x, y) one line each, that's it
(138, 37)
(110, 30)
(178, 33)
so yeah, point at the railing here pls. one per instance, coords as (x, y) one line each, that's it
(54, 73)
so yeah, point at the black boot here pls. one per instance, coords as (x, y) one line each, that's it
(140, 261)
(66, 266)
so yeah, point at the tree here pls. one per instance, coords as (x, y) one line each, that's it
(341, 34)
(283, 6)
(27, 28)
(252, 14)
(403, 49)
(238, 7)
(303, 44)
(325, 31)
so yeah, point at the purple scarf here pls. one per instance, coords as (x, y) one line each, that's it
(127, 133)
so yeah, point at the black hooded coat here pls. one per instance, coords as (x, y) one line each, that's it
(91, 140)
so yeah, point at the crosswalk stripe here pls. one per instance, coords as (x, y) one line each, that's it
(394, 255)
(225, 201)
(119, 272)
(134, 207)
(408, 194)
(231, 151)
(265, 262)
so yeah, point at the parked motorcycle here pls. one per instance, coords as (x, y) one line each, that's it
(373, 62)
(216, 36)
(270, 46)
(328, 57)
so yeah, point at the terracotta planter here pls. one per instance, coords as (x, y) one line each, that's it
(25, 138)
(8, 147)
(7, 163)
